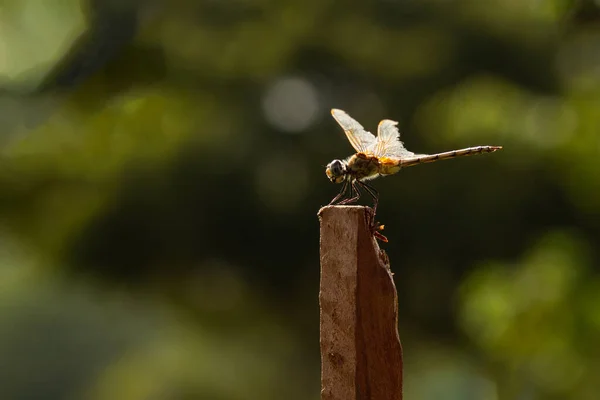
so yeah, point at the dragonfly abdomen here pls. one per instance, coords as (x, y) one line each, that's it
(469, 151)
(389, 166)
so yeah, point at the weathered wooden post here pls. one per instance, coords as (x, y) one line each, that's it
(361, 354)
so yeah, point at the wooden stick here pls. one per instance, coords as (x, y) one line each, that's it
(361, 354)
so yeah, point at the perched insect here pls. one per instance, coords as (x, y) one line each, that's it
(378, 156)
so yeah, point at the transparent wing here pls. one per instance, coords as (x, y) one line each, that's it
(359, 138)
(388, 142)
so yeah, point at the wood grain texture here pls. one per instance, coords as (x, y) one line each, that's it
(361, 354)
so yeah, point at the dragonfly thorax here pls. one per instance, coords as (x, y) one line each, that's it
(336, 171)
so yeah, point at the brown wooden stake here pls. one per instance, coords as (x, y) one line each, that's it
(361, 354)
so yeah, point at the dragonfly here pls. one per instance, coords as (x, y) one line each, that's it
(378, 156)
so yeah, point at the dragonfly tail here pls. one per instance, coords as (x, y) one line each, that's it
(469, 151)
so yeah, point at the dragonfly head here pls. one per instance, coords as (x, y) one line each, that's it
(336, 171)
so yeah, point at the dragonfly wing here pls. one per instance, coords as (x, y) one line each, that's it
(388, 142)
(359, 138)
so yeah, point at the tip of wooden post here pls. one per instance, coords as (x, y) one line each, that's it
(351, 213)
(343, 209)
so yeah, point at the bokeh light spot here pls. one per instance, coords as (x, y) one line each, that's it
(291, 104)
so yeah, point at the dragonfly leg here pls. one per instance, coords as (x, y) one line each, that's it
(340, 194)
(373, 192)
(375, 227)
(354, 192)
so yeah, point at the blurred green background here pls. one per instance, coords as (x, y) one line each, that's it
(162, 164)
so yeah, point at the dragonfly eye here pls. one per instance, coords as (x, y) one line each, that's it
(336, 171)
